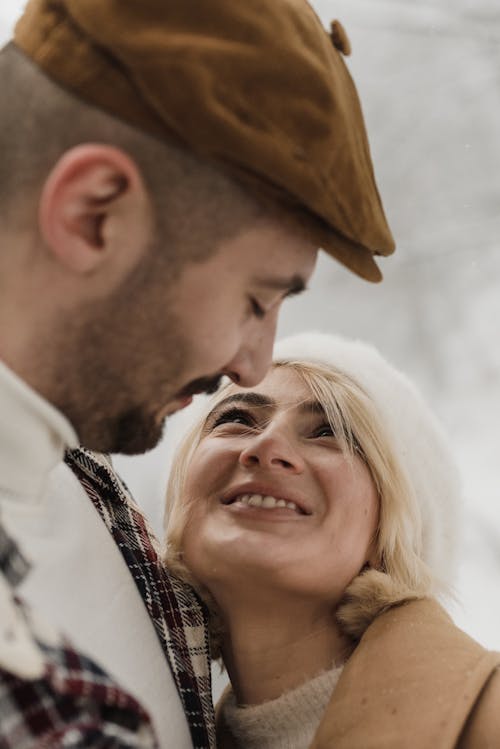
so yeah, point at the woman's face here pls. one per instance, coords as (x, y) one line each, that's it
(275, 502)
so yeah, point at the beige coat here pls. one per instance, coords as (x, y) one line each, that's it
(415, 681)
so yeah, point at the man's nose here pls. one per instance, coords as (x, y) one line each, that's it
(253, 358)
(272, 449)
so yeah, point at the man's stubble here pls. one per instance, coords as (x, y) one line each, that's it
(118, 361)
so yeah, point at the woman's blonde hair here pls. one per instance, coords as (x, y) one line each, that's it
(402, 572)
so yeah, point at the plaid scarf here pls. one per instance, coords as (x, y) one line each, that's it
(176, 612)
(72, 703)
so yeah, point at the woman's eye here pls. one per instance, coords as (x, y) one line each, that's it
(324, 430)
(234, 416)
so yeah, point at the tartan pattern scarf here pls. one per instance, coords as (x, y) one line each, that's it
(176, 612)
(71, 703)
(76, 704)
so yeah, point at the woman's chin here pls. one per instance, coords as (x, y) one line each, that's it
(241, 563)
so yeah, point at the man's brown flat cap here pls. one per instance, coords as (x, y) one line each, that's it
(257, 87)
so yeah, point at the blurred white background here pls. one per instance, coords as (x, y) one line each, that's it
(429, 79)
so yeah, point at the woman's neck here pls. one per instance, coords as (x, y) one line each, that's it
(270, 649)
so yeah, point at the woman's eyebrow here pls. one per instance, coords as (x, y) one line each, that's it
(250, 399)
(312, 407)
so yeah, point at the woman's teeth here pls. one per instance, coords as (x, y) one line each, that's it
(267, 502)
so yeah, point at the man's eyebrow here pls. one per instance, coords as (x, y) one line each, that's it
(291, 286)
(250, 399)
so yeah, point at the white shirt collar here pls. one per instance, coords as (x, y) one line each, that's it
(33, 436)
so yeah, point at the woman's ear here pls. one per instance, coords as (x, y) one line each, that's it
(94, 211)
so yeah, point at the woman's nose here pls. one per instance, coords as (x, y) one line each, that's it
(272, 450)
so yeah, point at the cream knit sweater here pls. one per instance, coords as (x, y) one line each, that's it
(289, 722)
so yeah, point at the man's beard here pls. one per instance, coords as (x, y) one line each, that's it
(207, 385)
(119, 364)
(112, 425)
(136, 431)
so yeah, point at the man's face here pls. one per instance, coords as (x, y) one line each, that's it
(145, 352)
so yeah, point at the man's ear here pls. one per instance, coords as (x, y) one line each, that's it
(94, 211)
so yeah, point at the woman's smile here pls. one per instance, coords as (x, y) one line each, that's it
(258, 497)
(264, 508)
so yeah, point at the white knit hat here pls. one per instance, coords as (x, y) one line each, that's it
(415, 436)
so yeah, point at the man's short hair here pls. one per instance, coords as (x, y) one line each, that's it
(195, 204)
